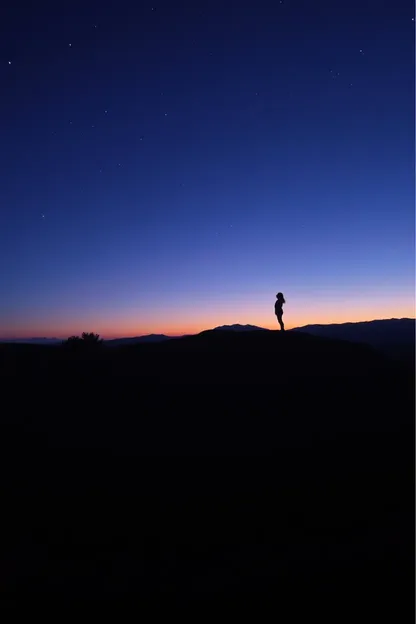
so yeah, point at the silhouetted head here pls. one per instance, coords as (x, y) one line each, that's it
(280, 297)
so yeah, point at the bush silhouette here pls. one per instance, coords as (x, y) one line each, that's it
(88, 340)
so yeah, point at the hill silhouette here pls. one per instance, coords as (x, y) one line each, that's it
(223, 356)
(395, 337)
(260, 356)
(230, 465)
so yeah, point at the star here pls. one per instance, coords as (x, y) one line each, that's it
(69, 45)
(10, 62)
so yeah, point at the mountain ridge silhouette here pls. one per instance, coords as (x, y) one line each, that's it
(394, 337)
(253, 458)
(310, 328)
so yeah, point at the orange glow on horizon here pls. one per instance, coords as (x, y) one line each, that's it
(185, 324)
(180, 330)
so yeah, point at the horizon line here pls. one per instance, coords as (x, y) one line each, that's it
(138, 335)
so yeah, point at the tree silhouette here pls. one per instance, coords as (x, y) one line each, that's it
(91, 338)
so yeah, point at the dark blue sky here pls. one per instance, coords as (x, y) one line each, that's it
(169, 167)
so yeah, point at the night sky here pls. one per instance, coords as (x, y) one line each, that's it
(168, 167)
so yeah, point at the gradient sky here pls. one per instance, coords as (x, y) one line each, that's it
(169, 167)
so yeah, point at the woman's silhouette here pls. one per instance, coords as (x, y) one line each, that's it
(278, 309)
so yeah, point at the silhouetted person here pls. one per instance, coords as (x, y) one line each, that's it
(278, 309)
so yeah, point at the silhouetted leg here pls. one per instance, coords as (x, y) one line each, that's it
(280, 321)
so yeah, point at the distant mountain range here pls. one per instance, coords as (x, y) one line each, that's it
(38, 341)
(395, 337)
(373, 332)
(115, 342)
(150, 338)
(240, 328)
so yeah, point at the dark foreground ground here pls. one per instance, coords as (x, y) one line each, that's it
(262, 472)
